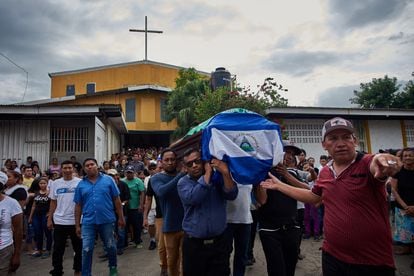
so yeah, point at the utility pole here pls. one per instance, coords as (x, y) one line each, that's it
(146, 31)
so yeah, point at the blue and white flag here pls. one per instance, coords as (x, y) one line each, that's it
(249, 143)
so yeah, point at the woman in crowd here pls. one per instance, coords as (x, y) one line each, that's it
(36, 170)
(38, 217)
(11, 231)
(106, 166)
(14, 189)
(403, 189)
(8, 164)
(30, 244)
(54, 167)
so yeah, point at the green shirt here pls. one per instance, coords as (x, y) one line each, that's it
(136, 187)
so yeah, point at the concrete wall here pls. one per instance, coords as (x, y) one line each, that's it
(385, 135)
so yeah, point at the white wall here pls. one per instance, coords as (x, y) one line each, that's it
(113, 140)
(385, 134)
(100, 141)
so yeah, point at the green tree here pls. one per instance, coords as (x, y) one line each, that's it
(405, 99)
(258, 101)
(181, 105)
(379, 93)
(193, 101)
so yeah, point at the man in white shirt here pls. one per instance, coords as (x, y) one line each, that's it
(239, 220)
(62, 211)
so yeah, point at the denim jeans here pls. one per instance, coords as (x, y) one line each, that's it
(120, 244)
(240, 233)
(106, 232)
(121, 234)
(39, 223)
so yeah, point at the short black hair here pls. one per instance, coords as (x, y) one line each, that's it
(325, 157)
(90, 159)
(302, 151)
(167, 150)
(189, 151)
(66, 162)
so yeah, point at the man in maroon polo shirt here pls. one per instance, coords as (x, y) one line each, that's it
(351, 186)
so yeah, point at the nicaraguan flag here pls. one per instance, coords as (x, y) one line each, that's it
(249, 143)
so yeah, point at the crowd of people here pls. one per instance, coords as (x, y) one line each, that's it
(196, 215)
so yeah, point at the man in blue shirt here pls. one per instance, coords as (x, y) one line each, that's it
(164, 185)
(204, 194)
(96, 198)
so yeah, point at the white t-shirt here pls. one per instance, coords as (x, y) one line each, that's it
(63, 192)
(9, 207)
(238, 210)
(146, 181)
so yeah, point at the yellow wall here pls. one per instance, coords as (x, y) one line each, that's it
(147, 113)
(114, 78)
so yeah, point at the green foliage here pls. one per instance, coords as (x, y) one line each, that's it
(181, 104)
(406, 98)
(384, 93)
(379, 93)
(185, 76)
(221, 99)
(193, 101)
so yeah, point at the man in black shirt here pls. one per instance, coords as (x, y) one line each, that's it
(278, 228)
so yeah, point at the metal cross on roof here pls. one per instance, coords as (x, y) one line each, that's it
(146, 31)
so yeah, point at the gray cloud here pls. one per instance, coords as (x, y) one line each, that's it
(336, 96)
(356, 13)
(301, 63)
(397, 36)
(37, 35)
(209, 19)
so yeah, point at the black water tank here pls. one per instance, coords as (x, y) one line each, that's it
(219, 78)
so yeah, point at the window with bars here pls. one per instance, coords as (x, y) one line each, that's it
(409, 131)
(360, 134)
(69, 139)
(300, 133)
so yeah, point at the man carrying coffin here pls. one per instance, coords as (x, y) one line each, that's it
(204, 194)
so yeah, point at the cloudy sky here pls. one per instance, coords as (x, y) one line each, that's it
(321, 50)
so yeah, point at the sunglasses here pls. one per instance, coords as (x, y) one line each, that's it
(189, 164)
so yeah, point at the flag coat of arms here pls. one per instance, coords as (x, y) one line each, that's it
(249, 143)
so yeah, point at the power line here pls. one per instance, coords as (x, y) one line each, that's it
(18, 66)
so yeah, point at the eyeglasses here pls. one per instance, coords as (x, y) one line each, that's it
(189, 164)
